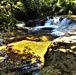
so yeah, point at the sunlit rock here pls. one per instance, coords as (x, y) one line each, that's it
(23, 57)
(60, 58)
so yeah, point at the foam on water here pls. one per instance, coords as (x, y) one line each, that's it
(64, 27)
(57, 33)
(56, 20)
(20, 25)
(48, 22)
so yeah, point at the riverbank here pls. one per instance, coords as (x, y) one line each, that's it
(23, 50)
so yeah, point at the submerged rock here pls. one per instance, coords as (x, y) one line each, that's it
(60, 58)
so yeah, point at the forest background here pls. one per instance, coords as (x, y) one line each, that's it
(14, 11)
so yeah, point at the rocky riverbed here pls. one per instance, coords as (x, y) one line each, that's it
(22, 52)
(21, 55)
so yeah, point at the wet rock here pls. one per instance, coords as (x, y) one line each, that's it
(3, 55)
(60, 58)
(2, 41)
(11, 63)
(28, 68)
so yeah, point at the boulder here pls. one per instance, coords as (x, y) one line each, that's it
(60, 58)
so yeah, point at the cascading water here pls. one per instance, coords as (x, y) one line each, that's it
(49, 23)
(64, 26)
(58, 26)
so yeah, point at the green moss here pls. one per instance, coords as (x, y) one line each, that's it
(49, 70)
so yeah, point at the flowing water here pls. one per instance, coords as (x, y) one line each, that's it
(58, 26)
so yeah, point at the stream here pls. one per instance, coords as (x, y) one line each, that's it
(55, 26)
(14, 63)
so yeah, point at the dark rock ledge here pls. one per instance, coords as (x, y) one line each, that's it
(60, 58)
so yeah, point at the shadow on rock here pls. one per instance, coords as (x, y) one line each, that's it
(60, 58)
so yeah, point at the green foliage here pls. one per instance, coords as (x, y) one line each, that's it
(67, 6)
(13, 10)
(39, 7)
(49, 7)
(7, 21)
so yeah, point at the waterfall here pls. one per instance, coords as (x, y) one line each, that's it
(58, 26)
(48, 22)
(64, 26)
(56, 20)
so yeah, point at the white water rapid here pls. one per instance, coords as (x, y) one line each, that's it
(58, 26)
